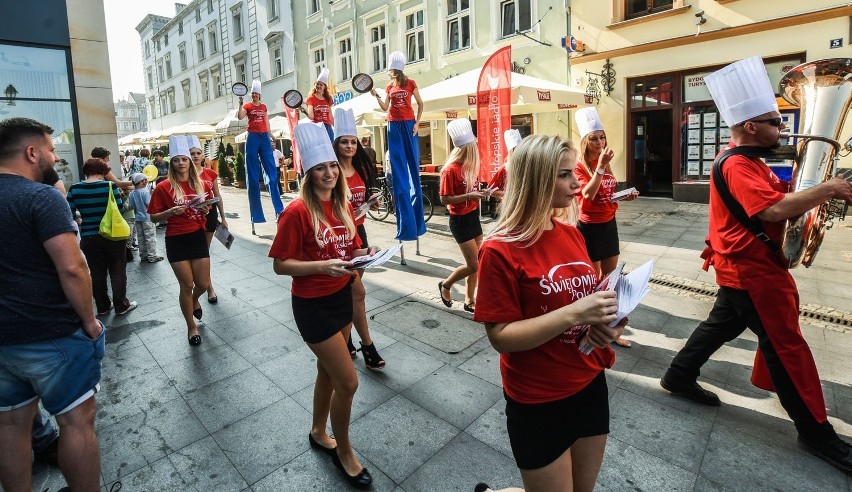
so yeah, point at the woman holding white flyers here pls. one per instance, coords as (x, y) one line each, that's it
(186, 245)
(540, 306)
(360, 175)
(597, 210)
(315, 242)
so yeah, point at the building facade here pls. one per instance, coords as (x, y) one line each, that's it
(131, 115)
(59, 75)
(440, 39)
(658, 114)
(191, 60)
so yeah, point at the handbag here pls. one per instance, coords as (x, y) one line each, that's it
(113, 226)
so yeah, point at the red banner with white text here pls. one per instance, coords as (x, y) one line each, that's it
(293, 120)
(493, 111)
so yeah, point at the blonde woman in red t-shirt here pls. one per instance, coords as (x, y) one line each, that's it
(597, 210)
(315, 242)
(539, 307)
(459, 191)
(217, 210)
(318, 104)
(186, 245)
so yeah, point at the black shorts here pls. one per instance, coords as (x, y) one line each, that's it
(190, 246)
(465, 227)
(362, 233)
(212, 219)
(320, 318)
(541, 433)
(601, 239)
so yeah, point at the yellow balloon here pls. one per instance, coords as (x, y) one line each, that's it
(150, 172)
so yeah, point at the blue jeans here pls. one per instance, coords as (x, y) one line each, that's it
(63, 372)
(259, 151)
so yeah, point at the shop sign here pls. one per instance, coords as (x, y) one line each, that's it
(451, 115)
(695, 89)
(341, 97)
(566, 106)
(543, 95)
(471, 100)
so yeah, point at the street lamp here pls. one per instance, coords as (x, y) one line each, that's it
(11, 94)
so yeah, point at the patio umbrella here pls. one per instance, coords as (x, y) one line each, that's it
(194, 128)
(230, 125)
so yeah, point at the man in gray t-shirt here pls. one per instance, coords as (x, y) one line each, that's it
(51, 344)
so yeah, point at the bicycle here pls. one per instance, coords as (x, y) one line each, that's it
(385, 205)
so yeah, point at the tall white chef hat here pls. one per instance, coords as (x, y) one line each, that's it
(178, 145)
(512, 138)
(396, 60)
(344, 123)
(255, 86)
(742, 90)
(588, 121)
(314, 145)
(460, 132)
(193, 142)
(323, 76)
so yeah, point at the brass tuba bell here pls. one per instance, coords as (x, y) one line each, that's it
(822, 90)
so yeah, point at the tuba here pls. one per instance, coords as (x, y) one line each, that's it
(822, 90)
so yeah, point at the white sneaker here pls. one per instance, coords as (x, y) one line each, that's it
(133, 305)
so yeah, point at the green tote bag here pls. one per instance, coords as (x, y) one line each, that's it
(113, 225)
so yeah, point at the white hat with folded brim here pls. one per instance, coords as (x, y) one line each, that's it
(742, 90)
(512, 138)
(588, 121)
(396, 60)
(314, 145)
(178, 145)
(193, 142)
(460, 132)
(255, 86)
(344, 123)
(323, 76)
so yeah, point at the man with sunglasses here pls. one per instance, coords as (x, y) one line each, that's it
(756, 290)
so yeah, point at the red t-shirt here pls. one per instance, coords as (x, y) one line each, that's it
(527, 282)
(498, 181)
(322, 109)
(359, 193)
(399, 105)
(256, 115)
(296, 239)
(738, 252)
(453, 183)
(209, 175)
(600, 209)
(191, 219)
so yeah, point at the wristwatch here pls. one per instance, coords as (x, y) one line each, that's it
(601, 171)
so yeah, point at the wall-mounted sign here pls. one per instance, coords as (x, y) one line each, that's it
(451, 115)
(835, 43)
(566, 106)
(694, 88)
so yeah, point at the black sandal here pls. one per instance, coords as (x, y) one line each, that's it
(213, 300)
(441, 293)
(197, 313)
(470, 307)
(372, 359)
(195, 340)
(353, 352)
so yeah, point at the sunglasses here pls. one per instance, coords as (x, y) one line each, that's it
(772, 121)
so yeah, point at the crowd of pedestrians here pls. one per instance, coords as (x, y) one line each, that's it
(543, 309)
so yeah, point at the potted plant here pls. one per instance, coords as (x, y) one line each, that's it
(222, 164)
(240, 170)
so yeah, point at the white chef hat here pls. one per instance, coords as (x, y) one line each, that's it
(314, 145)
(742, 90)
(193, 142)
(255, 86)
(396, 60)
(512, 138)
(323, 76)
(460, 132)
(178, 145)
(344, 123)
(588, 121)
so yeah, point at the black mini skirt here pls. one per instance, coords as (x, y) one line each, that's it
(184, 247)
(465, 227)
(320, 318)
(601, 239)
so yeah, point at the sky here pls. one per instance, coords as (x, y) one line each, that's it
(125, 55)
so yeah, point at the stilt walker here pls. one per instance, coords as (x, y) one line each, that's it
(259, 151)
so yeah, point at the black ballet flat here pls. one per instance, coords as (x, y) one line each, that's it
(470, 307)
(195, 340)
(197, 313)
(213, 300)
(481, 487)
(441, 294)
(362, 480)
(316, 445)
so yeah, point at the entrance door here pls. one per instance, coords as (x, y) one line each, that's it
(651, 133)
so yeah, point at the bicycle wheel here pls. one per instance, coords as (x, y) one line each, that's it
(427, 208)
(382, 209)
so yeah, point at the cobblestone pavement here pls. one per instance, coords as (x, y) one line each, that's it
(233, 414)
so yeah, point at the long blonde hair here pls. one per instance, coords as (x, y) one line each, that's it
(340, 205)
(527, 204)
(194, 180)
(468, 156)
